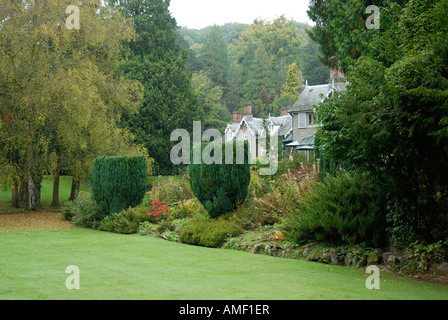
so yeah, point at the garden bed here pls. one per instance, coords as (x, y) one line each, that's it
(260, 225)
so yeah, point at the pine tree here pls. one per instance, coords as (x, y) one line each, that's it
(261, 74)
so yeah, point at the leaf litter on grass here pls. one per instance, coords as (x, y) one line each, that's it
(34, 220)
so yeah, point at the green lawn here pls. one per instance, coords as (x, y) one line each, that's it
(112, 266)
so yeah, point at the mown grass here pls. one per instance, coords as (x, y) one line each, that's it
(113, 266)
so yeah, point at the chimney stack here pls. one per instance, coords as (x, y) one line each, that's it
(237, 116)
(337, 77)
(285, 111)
(248, 111)
(300, 90)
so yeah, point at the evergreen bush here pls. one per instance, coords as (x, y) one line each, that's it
(126, 221)
(221, 187)
(344, 209)
(209, 233)
(119, 182)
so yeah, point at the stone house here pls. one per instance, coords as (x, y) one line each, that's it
(247, 127)
(303, 112)
(296, 126)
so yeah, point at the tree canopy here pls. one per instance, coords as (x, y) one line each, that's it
(61, 93)
(391, 121)
(158, 62)
(254, 59)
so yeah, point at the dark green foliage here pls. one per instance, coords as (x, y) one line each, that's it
(391, 121)
(340, 29)
(84, 212)
(256, 60)
(208, 233)
(344, 209)
(119, 182)
(221, 187)
(158, 62)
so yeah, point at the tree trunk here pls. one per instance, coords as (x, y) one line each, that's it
(75, 188)
(34, 174)
(15, 195)
(55, 202)
(23, 191)
(340, 168)
(33, 193)
(15, 188)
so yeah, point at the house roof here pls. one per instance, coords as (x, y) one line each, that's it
(310, 97)
(279, 121)
(306, 141)
(232, 127)
(286, 128)
(256, 124)
(282, 125)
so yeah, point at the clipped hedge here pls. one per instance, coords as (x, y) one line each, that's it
(221, 187)
(119, 182)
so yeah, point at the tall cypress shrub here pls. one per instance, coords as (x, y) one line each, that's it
(119, 182)
(221, 187)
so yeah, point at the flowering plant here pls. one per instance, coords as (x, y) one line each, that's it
(159, 209)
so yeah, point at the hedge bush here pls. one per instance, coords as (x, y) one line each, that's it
(119, 182)
(221, 187)
(344, 209)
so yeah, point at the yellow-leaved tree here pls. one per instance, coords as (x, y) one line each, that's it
(61, 95)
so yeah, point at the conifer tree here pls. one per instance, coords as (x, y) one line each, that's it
(158, 62)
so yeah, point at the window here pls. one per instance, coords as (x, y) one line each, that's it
(312, 119)
(302, 120)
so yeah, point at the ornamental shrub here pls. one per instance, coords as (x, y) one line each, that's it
(126, 221)
(207, 232)
(84, 212)
(221, 187)
(119, 182)
(345, 209)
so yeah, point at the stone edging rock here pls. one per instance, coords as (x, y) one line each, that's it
(355, 256)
